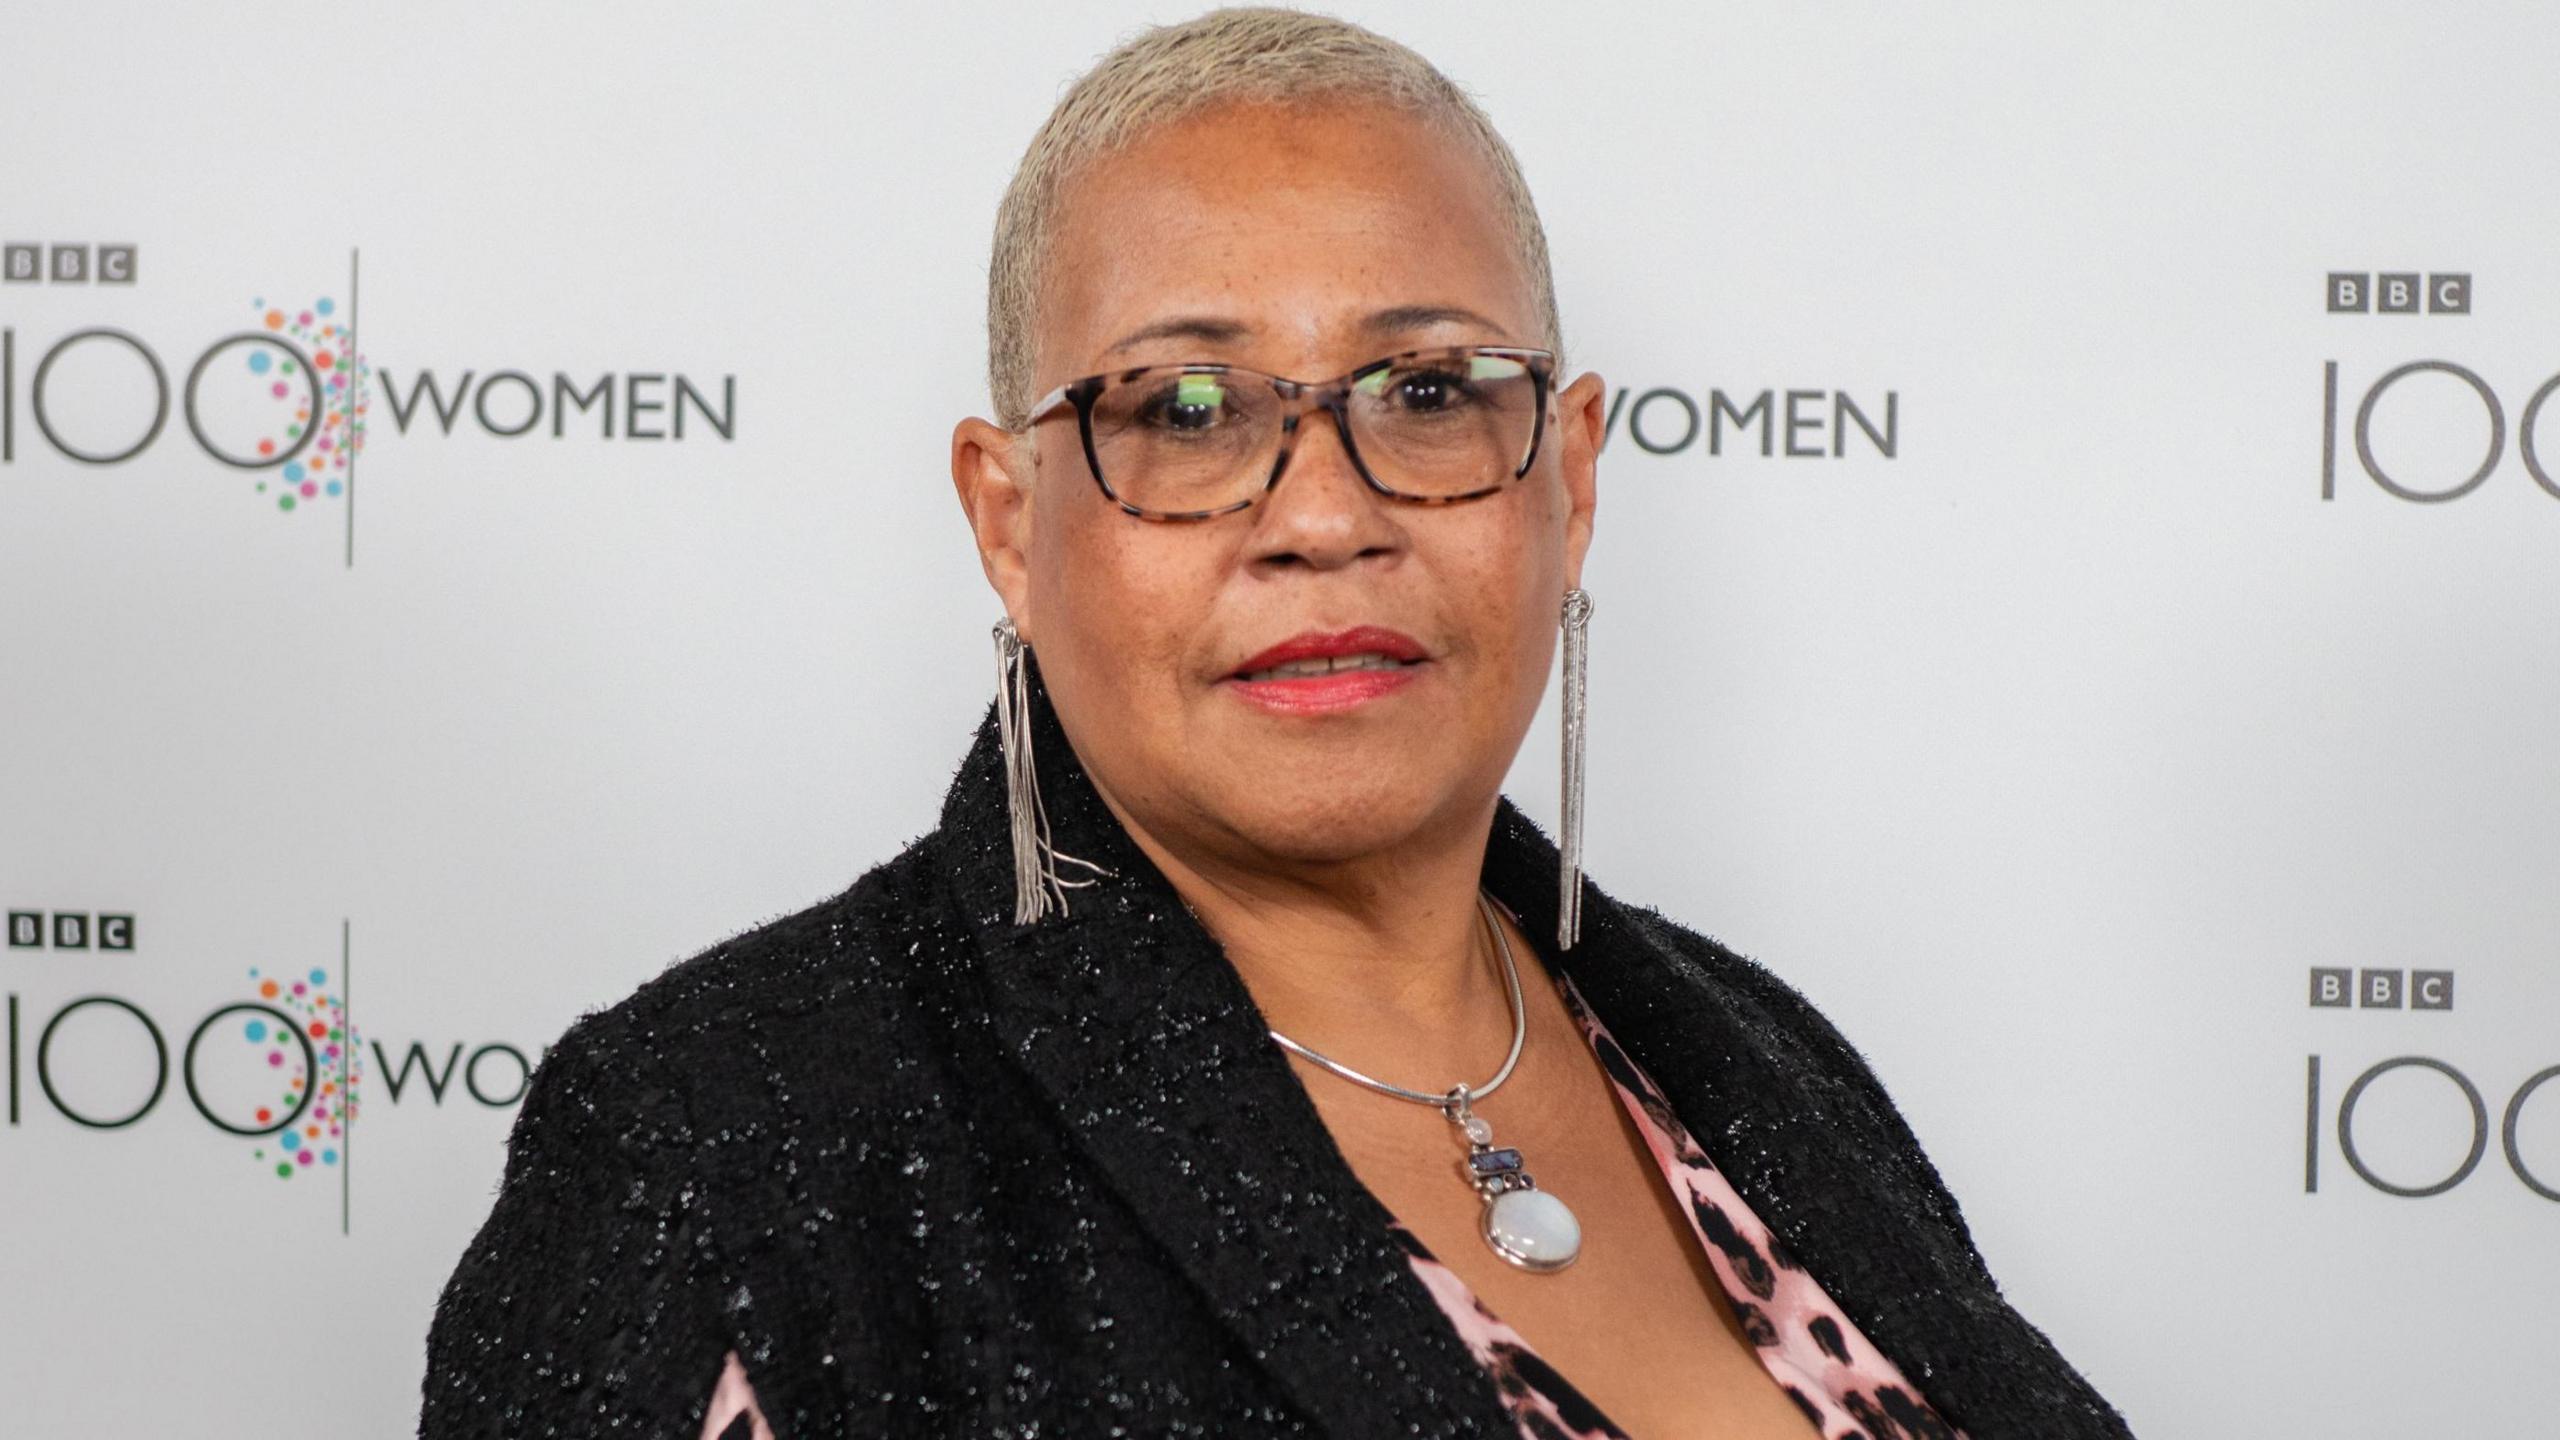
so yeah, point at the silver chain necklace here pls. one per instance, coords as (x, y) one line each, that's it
(1525, 1225)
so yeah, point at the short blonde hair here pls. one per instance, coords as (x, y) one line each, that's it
(1247, 53)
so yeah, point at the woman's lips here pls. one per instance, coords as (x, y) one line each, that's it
(1324, 694)
(1320, 672)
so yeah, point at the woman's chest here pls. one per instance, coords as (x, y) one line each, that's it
(1637, 1325)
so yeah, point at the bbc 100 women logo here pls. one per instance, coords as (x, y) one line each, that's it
(279, 1068)
(2426, 430)
(2415, 990)
(284, 400)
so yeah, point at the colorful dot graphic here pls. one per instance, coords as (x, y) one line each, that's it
(338, 433)
(319, 1014)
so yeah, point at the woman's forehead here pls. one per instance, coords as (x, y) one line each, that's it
(1255, 224)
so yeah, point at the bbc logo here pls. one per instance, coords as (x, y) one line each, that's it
(69, 930)
(2403, 293)
(26, 264)
(2381, 989)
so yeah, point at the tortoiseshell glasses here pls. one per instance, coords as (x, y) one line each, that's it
(1188, 442)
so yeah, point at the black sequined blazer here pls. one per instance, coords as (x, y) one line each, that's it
(929, 1172)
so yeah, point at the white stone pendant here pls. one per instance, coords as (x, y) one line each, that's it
(1525, 1225)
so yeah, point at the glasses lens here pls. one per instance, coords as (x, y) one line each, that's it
(1445, 424)
(1177, 440)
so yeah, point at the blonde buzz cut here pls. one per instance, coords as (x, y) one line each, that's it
(1260, 54)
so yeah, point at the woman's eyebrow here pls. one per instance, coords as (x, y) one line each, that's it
(1417, 317)
(1214, 329)
(1222, 330)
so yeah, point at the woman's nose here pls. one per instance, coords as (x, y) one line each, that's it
(1321, 512)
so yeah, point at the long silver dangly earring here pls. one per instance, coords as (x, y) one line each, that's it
(1037, 886)
(1577, 661)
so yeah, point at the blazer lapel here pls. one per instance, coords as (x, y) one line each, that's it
(1126, 1015)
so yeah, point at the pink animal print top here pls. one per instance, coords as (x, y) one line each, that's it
(1846, 1388)
(1844, 1385)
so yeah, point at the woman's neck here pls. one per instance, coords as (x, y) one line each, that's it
(1382, 962)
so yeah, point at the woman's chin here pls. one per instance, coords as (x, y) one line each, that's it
(1347, 820)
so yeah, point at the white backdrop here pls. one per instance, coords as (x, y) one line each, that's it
(2051, 752)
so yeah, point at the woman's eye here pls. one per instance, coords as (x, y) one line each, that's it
(1428, 390)
(1194, 402)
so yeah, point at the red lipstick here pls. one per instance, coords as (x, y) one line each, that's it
(1323, 672)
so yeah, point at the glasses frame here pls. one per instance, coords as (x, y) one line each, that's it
(1297, 397)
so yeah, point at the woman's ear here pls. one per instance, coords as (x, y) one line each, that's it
(1582, 426)
(991, 468)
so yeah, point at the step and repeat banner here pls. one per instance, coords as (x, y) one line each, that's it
(2078, 592)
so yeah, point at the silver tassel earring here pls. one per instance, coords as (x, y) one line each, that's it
(1037, 886)
(1577, 660)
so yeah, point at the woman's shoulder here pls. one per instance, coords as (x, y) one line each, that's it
(1704, 961)
(654, 1120)
(1660, 951)
(1833, 1072)
(848, 977)
(1832, 1165)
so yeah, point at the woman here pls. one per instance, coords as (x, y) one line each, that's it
(1233, 1059)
